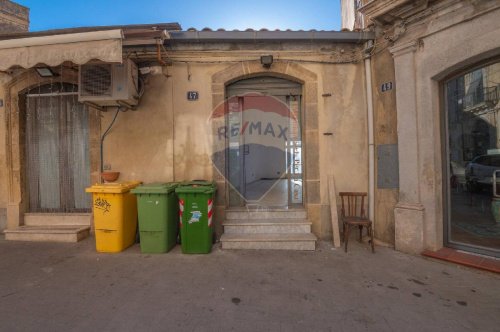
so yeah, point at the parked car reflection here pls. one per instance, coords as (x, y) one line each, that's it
(479, 172)
(457, 175)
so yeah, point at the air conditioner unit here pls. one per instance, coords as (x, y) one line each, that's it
(109, 84)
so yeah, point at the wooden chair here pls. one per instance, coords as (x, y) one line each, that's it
(353, 214)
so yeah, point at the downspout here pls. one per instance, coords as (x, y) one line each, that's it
(371, 145)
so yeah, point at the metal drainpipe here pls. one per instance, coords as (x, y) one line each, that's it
(371, 145)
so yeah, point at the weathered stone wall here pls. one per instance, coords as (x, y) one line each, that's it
(168, 137)
(385, 131)
(3, 155)
(13, 196)
(448, 38)
(13, 17)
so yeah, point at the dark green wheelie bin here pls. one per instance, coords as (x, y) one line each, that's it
(196, 203)
(158, 212)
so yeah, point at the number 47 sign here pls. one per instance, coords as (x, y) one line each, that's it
(192, 95)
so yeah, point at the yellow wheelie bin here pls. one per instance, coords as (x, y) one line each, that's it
(115, 215)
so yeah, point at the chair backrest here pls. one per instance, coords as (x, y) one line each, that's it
(353, 204)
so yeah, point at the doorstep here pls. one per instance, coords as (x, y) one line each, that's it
(50, 233)
(462, 258)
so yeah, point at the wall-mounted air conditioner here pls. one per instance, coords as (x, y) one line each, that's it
(109, 84)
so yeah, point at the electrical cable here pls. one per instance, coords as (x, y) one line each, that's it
(106, 134)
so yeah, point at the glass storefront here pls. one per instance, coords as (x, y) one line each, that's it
(473, 153)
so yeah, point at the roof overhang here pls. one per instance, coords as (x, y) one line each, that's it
(387, 11)
(53, 50)
(271, 36)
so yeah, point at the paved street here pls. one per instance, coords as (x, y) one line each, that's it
(61, 287)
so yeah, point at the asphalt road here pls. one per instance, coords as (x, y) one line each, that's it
(62, 287)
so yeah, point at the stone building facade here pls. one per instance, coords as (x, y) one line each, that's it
(406, 110)
(423, 46)
(13, 17)
(168, 137)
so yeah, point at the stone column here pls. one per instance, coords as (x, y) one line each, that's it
(409, 212)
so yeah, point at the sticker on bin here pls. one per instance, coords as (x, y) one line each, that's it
(181, 211)
(195, 217)
(209, 203)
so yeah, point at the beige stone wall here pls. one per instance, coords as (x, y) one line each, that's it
(465, 34)
(13, 17)
(13, 197)
(385, 131)
(168, 137)
(3, 155)
(344, 154)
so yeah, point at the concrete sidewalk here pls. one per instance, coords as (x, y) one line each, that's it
(61, 287)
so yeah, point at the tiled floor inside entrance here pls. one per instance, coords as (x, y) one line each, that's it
(272, 193)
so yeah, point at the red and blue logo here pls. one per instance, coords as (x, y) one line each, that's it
(251, 136)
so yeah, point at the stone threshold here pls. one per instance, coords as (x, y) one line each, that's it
(462, 258)
(265, 209)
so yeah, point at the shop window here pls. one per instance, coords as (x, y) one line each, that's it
(473, 156)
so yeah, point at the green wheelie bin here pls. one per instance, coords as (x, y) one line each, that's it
(158, 211)
(196, 202)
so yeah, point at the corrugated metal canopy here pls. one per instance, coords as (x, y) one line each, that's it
(53, 50)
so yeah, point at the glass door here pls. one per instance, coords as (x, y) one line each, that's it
(473, 159)
(264, 149)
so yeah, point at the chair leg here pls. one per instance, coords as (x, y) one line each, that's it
(360, 233)
(371, 235)
(342, 239)
(346, 237)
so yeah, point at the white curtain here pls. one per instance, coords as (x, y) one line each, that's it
(58, 166)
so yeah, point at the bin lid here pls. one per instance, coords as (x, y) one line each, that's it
(113, 187)
(197, 187)
(197, 182)
(155, 188)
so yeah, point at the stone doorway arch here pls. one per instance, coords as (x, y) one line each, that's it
(15, 90)
(293, 72)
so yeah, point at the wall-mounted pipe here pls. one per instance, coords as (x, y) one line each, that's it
(371, 144)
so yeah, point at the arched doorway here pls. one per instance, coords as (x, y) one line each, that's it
(264, 151)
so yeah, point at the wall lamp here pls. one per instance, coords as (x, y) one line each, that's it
(45, 72)
(266, 61)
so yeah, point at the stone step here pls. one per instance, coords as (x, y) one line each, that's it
(254, 226)
(274, 241)
(57, 219)
(266, 214)
(54, 233)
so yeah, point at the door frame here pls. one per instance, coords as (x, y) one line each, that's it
(242, 170)
(445, 155)
(15, 88)
(66, 193)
